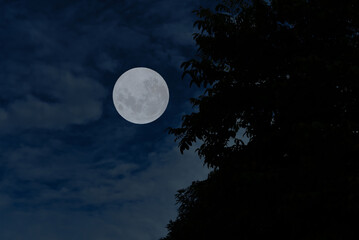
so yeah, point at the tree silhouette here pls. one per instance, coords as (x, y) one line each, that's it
(287, 72)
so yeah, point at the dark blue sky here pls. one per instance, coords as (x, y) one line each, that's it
(70, 166)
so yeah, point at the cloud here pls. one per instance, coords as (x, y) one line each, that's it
(54, 65)
(54, 98)
(102, 178)
(106, 63)
(119, 199)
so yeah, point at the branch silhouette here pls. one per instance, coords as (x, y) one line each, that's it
(287, 72)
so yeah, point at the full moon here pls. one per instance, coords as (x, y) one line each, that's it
(140, 95)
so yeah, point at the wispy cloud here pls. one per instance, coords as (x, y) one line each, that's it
(54, 60)
(70, 167)
(53, 99)
(129, 199)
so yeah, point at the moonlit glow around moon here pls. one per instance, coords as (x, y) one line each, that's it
(140, 95)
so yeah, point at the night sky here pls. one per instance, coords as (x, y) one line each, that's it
(70, 166)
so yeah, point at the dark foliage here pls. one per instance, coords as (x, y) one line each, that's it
(288, 73)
